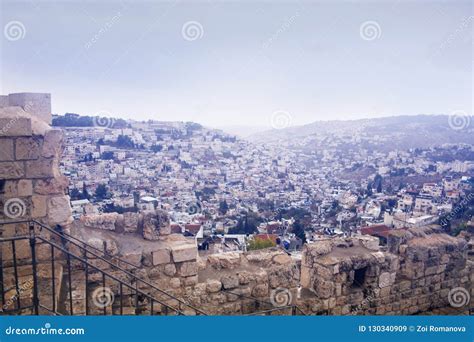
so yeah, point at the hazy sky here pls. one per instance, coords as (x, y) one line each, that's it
(236, 63)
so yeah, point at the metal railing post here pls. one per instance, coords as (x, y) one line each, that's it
(33, 263)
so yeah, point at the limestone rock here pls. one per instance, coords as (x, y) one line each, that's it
(52, 145)
(320, 248)
(14, 121)
(110, 245)
(6, 150)
(25, 187)
(228, 260)
(38, 206)
(161, 256)
(175, 282)
(130, 222)
(187, 269)
(156, 224)
(27, 148)
(42, 168)
(282, 259)
(213, 285)
(12, 170)
(59, 210)
(102, 221)
(183, 252)
(50, 186)
(170, 270)
(260, 290)
(230, 282)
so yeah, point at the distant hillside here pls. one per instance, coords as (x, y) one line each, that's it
(389, 133)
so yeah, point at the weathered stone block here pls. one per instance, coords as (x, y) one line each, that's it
(52, 144)
(102, 221)
(161, 256)
(25, 187)
(230, 282)
(41, 168)
(260, 290)
(175, 283)
(10, 189)
(59, 210)
(224, 260)
(130, 222)
(213, 285)
(39, 205)
(282, 259)
(190, 281)
(27, 148)
(6, 150)
(15, 126)
(156, 224)
(51, 186)
(320, 248)
(133, 258)
(431, 270)
(170, 270)
(12, 170)
(185, 252)
(323, 288)
(187, 269)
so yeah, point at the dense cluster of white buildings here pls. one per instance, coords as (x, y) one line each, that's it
(191, 171)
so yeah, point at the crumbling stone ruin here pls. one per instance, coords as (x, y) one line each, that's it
(131, 263)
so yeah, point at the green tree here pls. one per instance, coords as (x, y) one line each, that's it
(223, 207)
(378, 183)
(101, 192)
(369, 189)
(298, 230)
(85, 193)
(124, 141)
(156, 148)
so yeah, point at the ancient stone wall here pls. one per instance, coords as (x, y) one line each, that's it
(353, 276)
(36, 104)
(417, 278)
(31, 188)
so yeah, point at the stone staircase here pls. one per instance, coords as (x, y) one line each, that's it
(76, 279)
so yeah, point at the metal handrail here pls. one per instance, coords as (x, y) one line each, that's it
(135, 289)
(134, 277)
(63, 234)
(85, 262)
